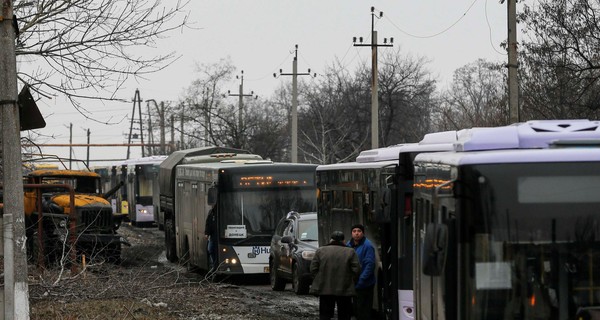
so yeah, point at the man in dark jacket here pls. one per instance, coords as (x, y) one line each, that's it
(335, 268)
(363, 302)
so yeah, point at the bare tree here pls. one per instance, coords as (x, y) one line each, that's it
(333, 125)
(476, 98)
(406, 93)
(211, 120)
(268, 130)
(87, 49)
(206, 106)
(561, 68)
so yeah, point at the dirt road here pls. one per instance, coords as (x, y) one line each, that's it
(146, 286)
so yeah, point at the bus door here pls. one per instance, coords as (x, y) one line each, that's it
(436, 282)
(184, 218)
(199, 213)
(324, 219)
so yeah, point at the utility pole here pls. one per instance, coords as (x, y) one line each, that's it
(205, 96)
(137, 101)
(70, 148)
(163, 131)
(513, 81)
(15, 296)
(294, 127)
(374, 76)
(87, 162)
(150, 135)
(161, 122)
(172, 134)
(241, 96)
(181, 145)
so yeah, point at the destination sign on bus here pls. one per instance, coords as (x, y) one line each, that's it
(273, 180)
(236, 231)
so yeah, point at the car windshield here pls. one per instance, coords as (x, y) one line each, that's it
(308, 230)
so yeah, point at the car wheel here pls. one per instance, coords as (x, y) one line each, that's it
(277, 283)
(299, 285)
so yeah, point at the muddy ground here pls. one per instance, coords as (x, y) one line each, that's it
(146, 286)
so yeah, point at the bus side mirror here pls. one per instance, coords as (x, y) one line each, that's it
(435, 246)
(212, 196)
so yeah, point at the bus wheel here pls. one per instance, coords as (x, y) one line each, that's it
(277, 283)
(298, 285)
(170, 244)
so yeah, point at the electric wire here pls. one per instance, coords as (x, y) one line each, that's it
(437, 33)
(487, 20)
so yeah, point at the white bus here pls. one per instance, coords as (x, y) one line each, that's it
(141, 185)
(508, 224)
(376, 191)
(251, 196)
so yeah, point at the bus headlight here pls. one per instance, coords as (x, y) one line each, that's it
(144, 211)
(308, 255)
(231, 261)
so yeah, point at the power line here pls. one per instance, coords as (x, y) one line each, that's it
(487, 20)
(437, 33)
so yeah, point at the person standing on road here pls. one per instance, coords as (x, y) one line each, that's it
(335, 268)
(363, 302)
(211, 233)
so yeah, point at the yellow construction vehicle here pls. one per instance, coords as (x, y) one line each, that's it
(68, 216)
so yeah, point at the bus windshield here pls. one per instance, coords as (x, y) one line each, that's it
(533, 241)
(256, 212)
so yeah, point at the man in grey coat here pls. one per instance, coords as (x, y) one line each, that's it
(335, 268)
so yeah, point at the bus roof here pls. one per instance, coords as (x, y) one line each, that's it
(62, 173)
(143, 160)
(382, 157)
(357, 165)
(166, 173)
(246, 165)
(511, 156)
(530, 134)
(524, 142)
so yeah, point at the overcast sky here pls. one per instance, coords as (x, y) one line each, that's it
(259, 37)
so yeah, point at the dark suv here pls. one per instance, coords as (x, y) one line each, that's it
(292, 248)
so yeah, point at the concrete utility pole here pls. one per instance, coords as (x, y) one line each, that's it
(241, 96)
(15, 297)
(206, 117)
(172, 134)
(150, 135)
(513, 81)
(374, 76)
(161, 122)
(87, 162)
(70, 142)
(294, 126)
(181, 120)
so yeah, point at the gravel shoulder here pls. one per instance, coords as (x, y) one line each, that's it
(146, 286)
